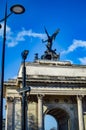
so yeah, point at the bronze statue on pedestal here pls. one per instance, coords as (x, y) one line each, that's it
(50, 54)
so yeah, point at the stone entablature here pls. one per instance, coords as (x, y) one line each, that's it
(44, 76)
(54, 74)
(48, 91)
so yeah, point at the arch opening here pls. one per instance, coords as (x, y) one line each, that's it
(59, 117)
(50, 122)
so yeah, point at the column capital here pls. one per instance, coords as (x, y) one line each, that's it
(10, 99)
(17, 99)
(40, 96)
(80, 97)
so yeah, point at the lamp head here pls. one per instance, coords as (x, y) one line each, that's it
(17, 9)
(24, 54)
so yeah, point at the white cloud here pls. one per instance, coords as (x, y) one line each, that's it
(83, 60)
(14, 39)
(75, 45)
(8, 30)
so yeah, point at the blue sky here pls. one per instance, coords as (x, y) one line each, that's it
(26, 31)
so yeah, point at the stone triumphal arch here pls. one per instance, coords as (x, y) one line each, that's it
(57, 88)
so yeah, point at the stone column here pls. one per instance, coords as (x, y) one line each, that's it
(10, 114)
(40, 112)
(17, 112)
(80, 113)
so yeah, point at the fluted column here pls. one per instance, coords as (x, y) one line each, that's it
(80, 113)
(40, 112)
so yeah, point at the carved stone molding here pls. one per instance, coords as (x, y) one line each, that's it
(56, 100)
(66, 100)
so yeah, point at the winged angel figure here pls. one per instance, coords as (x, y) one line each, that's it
(50, 38)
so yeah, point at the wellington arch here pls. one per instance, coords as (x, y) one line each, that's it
(57, 88)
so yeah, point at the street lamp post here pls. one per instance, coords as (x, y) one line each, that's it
(16, 9)
(24, 56)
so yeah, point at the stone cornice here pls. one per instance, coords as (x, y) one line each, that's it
(58, 91)
(41, 90)
(58, 80)
(12, 82)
